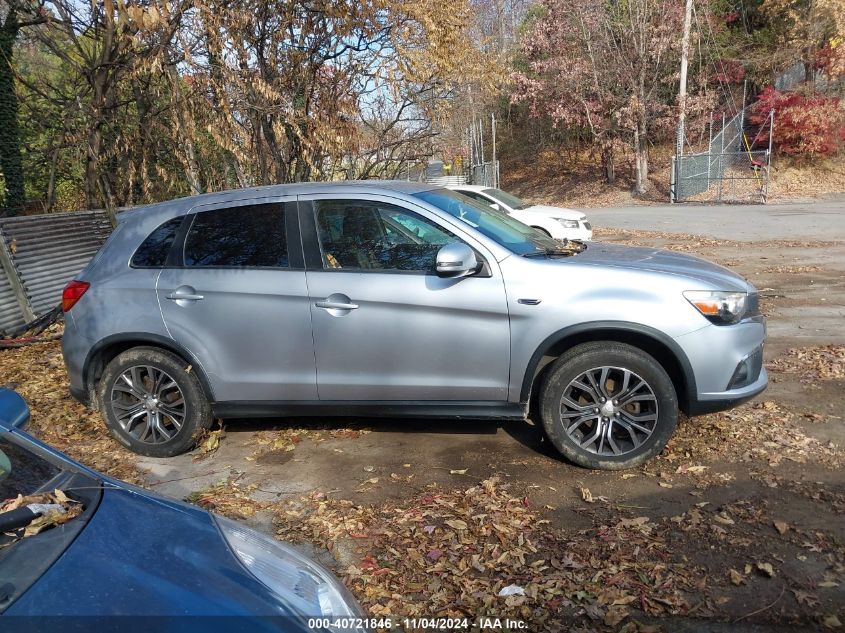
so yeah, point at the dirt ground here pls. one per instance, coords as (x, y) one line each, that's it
(738, 525)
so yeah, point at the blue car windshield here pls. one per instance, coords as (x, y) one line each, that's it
(44, 505)
(515, 236)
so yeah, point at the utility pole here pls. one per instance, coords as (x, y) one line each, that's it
(682, 99)
(495, 181)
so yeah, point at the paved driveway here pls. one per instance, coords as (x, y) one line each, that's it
(821, 220)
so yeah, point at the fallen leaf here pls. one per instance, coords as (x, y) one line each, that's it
(462, 471)
(781, 527)
(832, 622)
(736, 577)
(766, 568)
(615, 614)
(457, 524)
(586, 495)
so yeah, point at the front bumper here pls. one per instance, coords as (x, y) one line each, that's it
(724, 365)
(581, 234)
(721, 401)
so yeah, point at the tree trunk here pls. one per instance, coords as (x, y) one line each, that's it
(640, 163)
(181, 118)
(640, 140)
(10, 149)
(607, 163)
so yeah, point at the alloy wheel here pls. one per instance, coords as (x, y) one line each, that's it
(148, 404)
(609, 411)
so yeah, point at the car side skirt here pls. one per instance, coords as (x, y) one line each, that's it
(373, 408)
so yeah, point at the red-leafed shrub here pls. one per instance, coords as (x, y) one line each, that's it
(729, 71)
(809, 125)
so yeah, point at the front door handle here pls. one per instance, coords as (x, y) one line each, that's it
(336, 305)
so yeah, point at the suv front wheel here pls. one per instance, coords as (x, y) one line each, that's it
(153, 404)
(608, 405)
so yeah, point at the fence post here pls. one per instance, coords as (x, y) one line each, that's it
(721, 159)
(769, 155)
(673, 182)
(15, 280)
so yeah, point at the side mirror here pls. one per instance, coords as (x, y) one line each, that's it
(456, 260)
(495, 206)
(14, 413)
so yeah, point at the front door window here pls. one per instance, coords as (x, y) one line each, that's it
(368, 235)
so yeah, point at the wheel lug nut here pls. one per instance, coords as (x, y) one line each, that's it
(604, 399)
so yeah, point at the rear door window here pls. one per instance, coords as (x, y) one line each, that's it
(251, 236)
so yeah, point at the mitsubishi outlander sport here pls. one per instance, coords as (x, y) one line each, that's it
(404, 300)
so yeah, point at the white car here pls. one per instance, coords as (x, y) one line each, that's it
(557, 222)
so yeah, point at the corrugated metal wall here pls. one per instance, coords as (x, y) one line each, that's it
(10, 311)
(46, 252)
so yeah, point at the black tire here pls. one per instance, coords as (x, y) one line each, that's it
(542, 230)
(153, 427)
(657, 399)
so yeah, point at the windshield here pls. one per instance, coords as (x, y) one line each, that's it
(500, 227)
(508, 199)
(21, 472)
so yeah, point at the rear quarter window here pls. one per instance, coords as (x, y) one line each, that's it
(153, 251)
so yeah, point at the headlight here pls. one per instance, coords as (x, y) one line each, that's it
(568, 224)
(306, 587)
(722, 308)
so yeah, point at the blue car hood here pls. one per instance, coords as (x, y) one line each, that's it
(141, 555)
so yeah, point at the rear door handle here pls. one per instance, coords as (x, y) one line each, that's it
(178, 297)
(336, 305)
(184, 293)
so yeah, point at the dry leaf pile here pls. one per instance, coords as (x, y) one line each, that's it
(229, 498)
(286, 439)
(812, 364)
(484, 551)
(72, 509)
(764, 431)
(38, 373)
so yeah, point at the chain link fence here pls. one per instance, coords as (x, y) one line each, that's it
(732, 169)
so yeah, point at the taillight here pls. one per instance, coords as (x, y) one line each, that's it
(72, 293)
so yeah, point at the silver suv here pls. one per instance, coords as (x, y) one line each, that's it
(402, 300)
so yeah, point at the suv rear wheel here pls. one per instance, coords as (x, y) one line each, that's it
(608, 405)
(151, 403)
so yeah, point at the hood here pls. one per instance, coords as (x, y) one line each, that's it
(556, 212)
(660, 261)
(140, 555)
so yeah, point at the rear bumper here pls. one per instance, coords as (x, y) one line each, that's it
(81, 395)
(74, 351)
